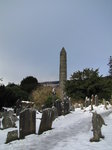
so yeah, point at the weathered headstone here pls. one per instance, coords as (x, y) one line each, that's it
(14, 118)
(92, 102)
(66, 106)
(27, 122)
(55, 113)
(81, 106)
(105, 103)
(72, 108)
(11, 136)
(7, 122)
(58, 106)
(87, 101)
(96, 100)
(93, 98)
(10, 114)
(97, 122)
(53, 96)
(46, 120)
(7, 113)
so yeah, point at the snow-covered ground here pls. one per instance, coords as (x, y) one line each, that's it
(72, 132)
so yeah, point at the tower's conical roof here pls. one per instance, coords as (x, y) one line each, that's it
(63, 51)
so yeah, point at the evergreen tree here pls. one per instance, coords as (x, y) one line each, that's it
(83, 83)
(110, 66)
(87, 82)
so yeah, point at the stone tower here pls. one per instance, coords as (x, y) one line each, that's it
(63, 70)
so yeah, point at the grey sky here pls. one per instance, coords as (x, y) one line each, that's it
(32, 33)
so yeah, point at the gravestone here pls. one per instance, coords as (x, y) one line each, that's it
(53, 96)
(97, 122)
(96, 100)
(58, 106)
(92, 101)
(27, 122)
(72, 108)
(55, 113)
(66, 105)
(7, 122)
(105, 103)
(46, 120)
(81, 106)
(11, 136)
(9, 119)
(87, 101)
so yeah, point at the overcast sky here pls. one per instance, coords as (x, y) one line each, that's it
(32, 33)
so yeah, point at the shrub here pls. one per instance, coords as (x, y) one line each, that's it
(43, 95)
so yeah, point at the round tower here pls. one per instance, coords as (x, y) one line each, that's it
(63, 69)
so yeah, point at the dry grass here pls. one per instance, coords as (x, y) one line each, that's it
(40, 95)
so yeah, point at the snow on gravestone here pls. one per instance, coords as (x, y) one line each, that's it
(27, 122)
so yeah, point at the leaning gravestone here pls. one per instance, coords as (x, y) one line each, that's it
(11, 136)
(27, 122)
(46, 121)
(58, 105)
